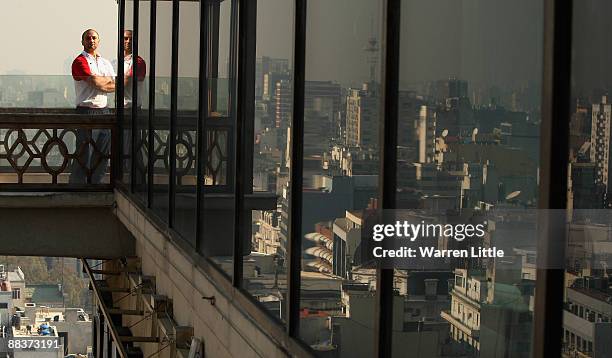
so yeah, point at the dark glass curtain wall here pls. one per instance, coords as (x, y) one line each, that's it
(258, 132)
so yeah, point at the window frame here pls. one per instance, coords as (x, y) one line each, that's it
(557, 30)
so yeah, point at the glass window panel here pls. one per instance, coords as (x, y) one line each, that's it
(219, 162)
(265, 268)
(587, 292)
(187, 119)
(161, 122)
(126, 124)
(468, 146)
(137, 72)
(341, 121)
(219, 65)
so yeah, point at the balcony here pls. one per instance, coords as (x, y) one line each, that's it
(465, 299)
(447, 316)
(38, 155)
(582, 327)
(39, 150)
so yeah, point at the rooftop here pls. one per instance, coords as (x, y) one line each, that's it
(16, 276)
(593, 293)
(44, 293)
(23, 331)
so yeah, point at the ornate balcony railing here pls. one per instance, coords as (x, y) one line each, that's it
(55, 150)
(219, 149)
(59, 150)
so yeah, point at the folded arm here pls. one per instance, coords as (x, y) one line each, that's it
(102, 83)
(82, 72)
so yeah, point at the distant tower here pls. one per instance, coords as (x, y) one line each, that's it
(426, 129)
(371, 50)
(600, 140)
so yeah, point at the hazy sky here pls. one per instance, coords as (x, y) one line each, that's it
(493, 42)
(490, 42)
(40, 36)
(592, 46)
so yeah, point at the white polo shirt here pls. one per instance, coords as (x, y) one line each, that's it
(128, 70)
(84, 66)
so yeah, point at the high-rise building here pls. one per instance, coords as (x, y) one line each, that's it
(583, 190)
(319, 96)
(282, 104)
(586, 319)
(321, 113)
(371, 50)
(426, 129)
(408, 107)
(270, 80)
(441, 90)
(362, 117)
(580, 131)
(468, 293)
(266, 65)
(600, 139)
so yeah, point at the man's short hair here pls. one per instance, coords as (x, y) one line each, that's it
(86, 31)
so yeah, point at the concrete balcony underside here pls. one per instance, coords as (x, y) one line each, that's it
(77, 224)
(85, 224)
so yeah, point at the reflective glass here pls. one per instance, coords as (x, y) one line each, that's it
(587, 310)
(220, 148)
(161, 122)
(468, 150)
(187, 119)
(137, 73)
(126, 123)
(265, 265)
(341, 121)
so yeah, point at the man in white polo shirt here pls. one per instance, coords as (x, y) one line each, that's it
(94, 77)
(128, 71)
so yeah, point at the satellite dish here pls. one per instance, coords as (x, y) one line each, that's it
(444, 133)
(513, 195)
